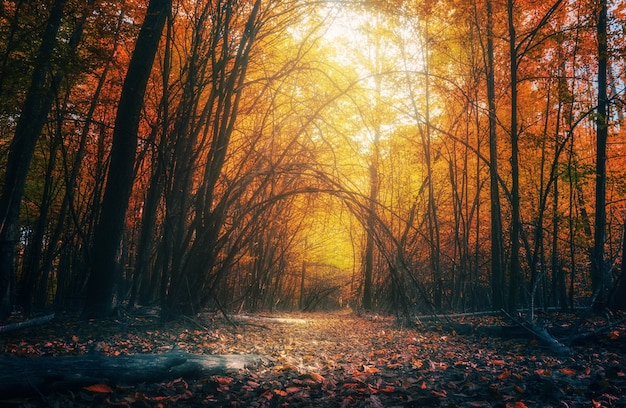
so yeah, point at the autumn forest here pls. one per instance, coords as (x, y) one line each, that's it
(390, 155)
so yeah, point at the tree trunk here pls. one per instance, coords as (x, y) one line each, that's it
(497, 262)
(28, 376)
(29, 126)
(619, 297)
(368, 266)
(599, 276)
(515, 271)
(433, 222)
(120, 178)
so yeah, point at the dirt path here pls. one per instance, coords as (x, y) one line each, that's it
(332, 360)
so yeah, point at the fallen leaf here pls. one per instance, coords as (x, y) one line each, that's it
(517, 404)
(316, 377)
(286, 367)
(506, 374)
(613, 335)
(99, 388)
(280, 392)
(223, 380)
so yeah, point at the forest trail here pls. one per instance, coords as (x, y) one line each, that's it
(333, 360)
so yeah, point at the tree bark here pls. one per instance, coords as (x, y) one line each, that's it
(26, 376)
(120, 178)
(619, 297)
(497, 263)
(515, 270)
(599, 276)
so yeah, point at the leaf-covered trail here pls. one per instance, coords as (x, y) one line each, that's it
(335, 360)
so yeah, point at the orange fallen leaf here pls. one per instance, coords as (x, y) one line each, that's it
(506, 374)
(280, 392)
(517, 404)
(316, 377)
(286, 367)
(498, 362)
(567, 371)
(223, 380)
(100, 388)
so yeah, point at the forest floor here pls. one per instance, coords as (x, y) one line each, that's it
(333, 360)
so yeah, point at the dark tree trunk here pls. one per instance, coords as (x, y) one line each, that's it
(619, 297)
(30, 124)
(120, 178)
(497, 264)
(26, 376)
(515, 271)
(598, 271)
(369, 244)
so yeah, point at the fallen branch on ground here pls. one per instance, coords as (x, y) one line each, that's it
(542, 334)
(25, 376)
(27, 323)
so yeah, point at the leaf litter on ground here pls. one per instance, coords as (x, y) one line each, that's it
(334, 360)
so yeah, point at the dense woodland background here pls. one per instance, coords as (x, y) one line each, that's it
(390, 155)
